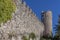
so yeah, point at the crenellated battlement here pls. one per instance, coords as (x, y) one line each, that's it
(27, 7)
(24, 7)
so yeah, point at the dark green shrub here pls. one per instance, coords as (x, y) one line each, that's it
(6, 9)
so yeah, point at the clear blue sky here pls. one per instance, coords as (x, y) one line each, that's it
(44, 5)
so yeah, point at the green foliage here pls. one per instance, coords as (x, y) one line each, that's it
(46, 38)
(24, 38)
(57, 29)
(6, 9)
(56, 37)
(32, 35)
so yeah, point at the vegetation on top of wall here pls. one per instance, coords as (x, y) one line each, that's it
(6, 9)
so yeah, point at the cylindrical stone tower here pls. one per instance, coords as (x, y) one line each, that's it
(47, 21)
